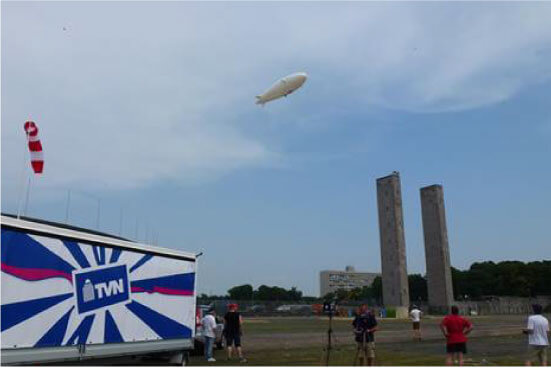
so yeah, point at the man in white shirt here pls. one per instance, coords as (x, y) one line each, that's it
(209, 326)
(538, 341)
(415, 315)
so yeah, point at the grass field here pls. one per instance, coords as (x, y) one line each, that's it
(496, 340)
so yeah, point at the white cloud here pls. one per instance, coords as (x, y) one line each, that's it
(434, 57)
(116, 110)
(133, 93)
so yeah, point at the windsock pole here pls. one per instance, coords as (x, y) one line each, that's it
(27, 196)
(36, 158)
(22, 177)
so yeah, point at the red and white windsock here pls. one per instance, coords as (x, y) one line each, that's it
(35, 147)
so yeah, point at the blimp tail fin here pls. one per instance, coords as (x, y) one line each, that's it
(258, 101)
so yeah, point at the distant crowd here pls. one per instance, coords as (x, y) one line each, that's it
(454, 327)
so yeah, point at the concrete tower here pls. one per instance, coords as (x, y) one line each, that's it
(437, 253)
(393, 244)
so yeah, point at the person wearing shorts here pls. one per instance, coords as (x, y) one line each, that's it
(537, 353)
(455, 328)
(365, 326)
(537, 330)
(415, 315)
(457, 348)
(233, 331)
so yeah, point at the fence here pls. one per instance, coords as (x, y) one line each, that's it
(488, 306)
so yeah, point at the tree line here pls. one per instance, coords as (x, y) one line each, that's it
(264, 293)
(507, 278)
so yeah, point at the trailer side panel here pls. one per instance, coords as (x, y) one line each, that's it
(58, 292)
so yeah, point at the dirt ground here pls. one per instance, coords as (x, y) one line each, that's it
(286, 333)
(495, 340)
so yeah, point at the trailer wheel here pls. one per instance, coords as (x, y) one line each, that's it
(185, 359)
(179, 359)
(198, 348)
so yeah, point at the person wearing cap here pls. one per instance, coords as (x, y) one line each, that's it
(233, 331)
(209, 325)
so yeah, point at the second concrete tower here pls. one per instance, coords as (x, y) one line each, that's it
(437, 252)
(393, 244)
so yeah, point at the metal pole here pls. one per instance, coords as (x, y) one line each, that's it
(67, 208)
(28, 194)
(22, 180)
(328, 307)
(330, 332)
(120, 223)
(97, 219)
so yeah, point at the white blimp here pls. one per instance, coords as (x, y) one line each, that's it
(282, 87)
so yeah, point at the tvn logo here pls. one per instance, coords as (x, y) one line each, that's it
(101, 288)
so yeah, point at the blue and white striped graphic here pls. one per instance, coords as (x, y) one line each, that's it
(39, 294)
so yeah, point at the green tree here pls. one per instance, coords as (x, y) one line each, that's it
(263, 293)
(242, 292)
(507, 278)
(342, 294)
(272, 293)
(294, 294)
(377, 288)
(417, 287)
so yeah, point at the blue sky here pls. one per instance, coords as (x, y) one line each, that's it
(150, 107)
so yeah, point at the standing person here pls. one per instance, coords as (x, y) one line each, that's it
(455, 328)
(538, 341)
(415, 315)
(209, 325)
(365, 325)
(233, 331)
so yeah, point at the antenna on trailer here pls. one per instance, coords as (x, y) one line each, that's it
(67, 207)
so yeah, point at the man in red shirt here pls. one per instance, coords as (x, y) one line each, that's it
(455, 328)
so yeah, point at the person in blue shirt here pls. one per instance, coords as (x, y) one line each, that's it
(365, 325)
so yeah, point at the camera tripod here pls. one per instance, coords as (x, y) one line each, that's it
(327, 350)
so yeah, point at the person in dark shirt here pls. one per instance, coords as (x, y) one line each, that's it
(365, 325)
(233, 331)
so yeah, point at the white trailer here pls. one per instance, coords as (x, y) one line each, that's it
(74, 295)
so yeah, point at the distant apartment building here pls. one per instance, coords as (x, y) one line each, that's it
(348, 279)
